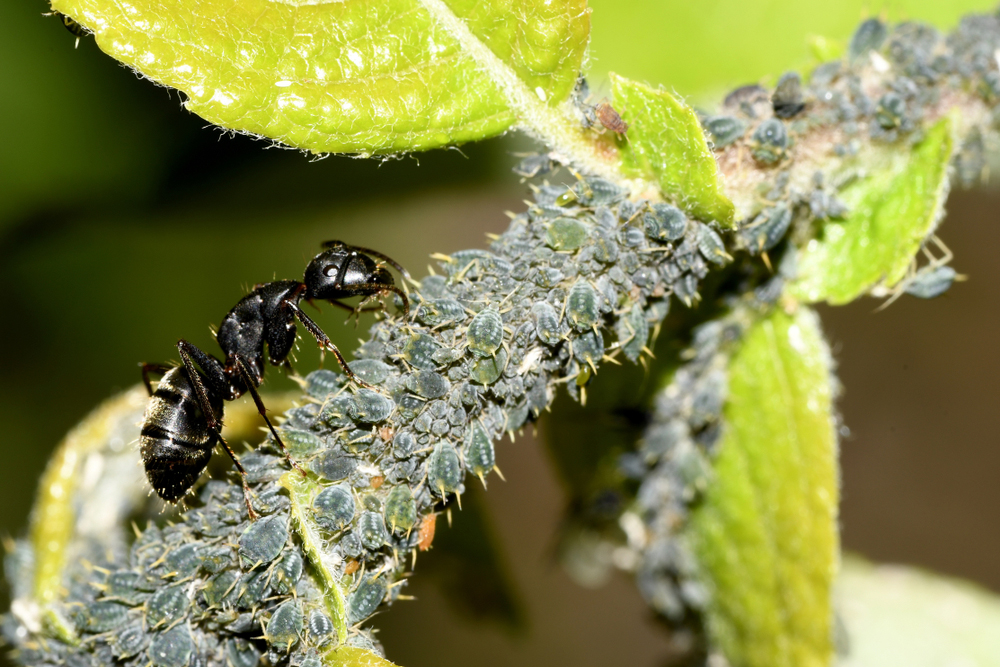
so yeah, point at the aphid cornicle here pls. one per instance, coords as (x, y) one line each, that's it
(183, 421)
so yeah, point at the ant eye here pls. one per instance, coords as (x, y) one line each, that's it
(330, 270)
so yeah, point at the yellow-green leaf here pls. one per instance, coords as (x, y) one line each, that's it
(892, 211)
(354, 656)
(766, 533)
(354, 76)
(666, 145)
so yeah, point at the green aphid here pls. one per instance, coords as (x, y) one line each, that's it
(547, 326)
(365, 599)
(263, 540)
(589, 348)
(400, 509)
(710, 245)
(371, 530)
(371, 407)
(769, 143)
(479, 453)
(287, 572)
(488, 370)
(173, 648)
(419, 350)
(334, 507)
(566, 234)
(301, 443)
(444, 469)
(371, 371)
(633, 333)
(285, 626)
(582, 310)
(440, 311)
(485, 333)
(428, 384)
(166, 606)
(101, 616)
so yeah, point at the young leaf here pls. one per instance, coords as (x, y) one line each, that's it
(766, 534)
(892, 212)
(351, 76)
(667, 145)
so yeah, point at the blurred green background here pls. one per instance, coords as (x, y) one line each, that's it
(126, 223)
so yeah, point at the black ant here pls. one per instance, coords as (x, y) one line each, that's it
(183, 421)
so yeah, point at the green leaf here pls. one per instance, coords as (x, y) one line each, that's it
(667, 145)
(901, 617)
(766, 533)
(354, 656)
(892, 211)
(357, 76)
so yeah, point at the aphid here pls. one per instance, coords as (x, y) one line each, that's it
(184, 560)
(566, 234)
(485, 333)
(869, 36)
(124, 586)
(534, 165)
(172, 648)
(371, 529)
(428, 384)
(419, 351)
(403, 445)
(365, 599)
(547, 326)
(444, 469)
(371, 407)
(71, 25)
(589, 348)
(101, 616)
(891, 111)
(633, 333)
(128, 641)
(319, 624)
(322, 382)
(285, 626)
(488, 370)
(769, 141)
(787, 98)
(724, 130)
(219, 589)
(605, 247)
(479, 453)
(710, 245)
(582, 310)
(301, 443)
(166, 606)
(931, 282)
(371, 371)
(768, 228)
(610, 118)
(263, 540)
(434, 312)
(287, 573)
(183, 421)
(425, 535)
(632, 236)
(745, 97)
(597, 192)
(333, 465)
(400, 509)
(664, 222)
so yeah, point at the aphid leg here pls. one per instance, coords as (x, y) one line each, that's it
(326, 344)
(248, 381)
(148, 369)
(243, 478)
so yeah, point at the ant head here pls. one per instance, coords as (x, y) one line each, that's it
(341, 271)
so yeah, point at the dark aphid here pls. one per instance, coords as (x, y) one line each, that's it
(589, 348)
(597, 192)
(101, 616)
(745, 98)
(400, 509)
(184, 560)
(124, 586)
(172, 648)
(768, 228)
(664, 222)
(931, 282)
(372, 503)
(566, 234)
(319, 624)
(365, 599)
(444, 470)
(301, 443)
(220, 589)
(787, 97)
(242, 653)
(371, 371)
(285, 626)
(869, 36)
(724, 130)
(710, 245)
(251, 589)
(534, 165)
(183, 421)
(371, 530)
(769, 142)
(479, 453)
(428, 384)
(166, 606)
(128, 641)
(547, 326)
(288, 572)
(582, 310)
(632, 236)
(485, 333)
(322, 382)
(371, 407)
(605, 247)
(633, 333)
(891, 111)
(434, 312)
(335, 507)
(263, 540)
(419, 351)
(403, 445)
(971, 166)
(333, 465)
(610, 118)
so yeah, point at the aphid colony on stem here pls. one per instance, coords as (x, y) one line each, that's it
(183, 422)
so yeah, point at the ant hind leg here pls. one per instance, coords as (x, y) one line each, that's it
(247, 493)
(248, 381)
(149, 369)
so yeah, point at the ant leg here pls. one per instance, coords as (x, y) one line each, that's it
(367, 288)
(243, 478)
(214, 374)
(248, 380)
(148, 369)
(325, 343)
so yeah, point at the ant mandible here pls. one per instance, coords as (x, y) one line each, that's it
(183, 420)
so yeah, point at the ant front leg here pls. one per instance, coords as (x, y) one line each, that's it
(326, 344)
(369, 289)
(248, 381)
(148, 369)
